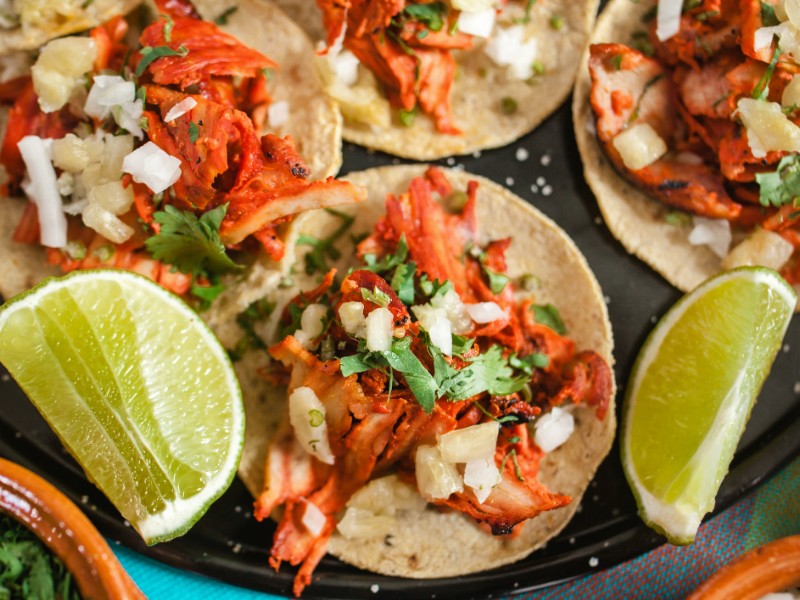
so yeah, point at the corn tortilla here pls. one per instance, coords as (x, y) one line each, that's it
(431, 543)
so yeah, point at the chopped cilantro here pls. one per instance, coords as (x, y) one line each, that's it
(295, 315)
(528, 363)
(168, 25)
(462, 344)
(497, 281)
(616, 62)
(768, 16)
(432, 15)
(323, 249)
(781, 186)
(149, 54)
(556, 22)
(403, 282)
(194, 131)
(650, 14)
(104, 253)
(549, 316)
(406, 117)
(527, 18)
(677, 218)
(508, 106)
(506, 419)
(75, 249)
(190, 244)
(538, 67)
(691, 4)
(222, 18)
(761, 91)
(28, 569)
(641, 42)
(207, 293)
(376, 296)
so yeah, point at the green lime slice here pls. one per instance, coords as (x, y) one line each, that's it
(691, 391)
(137, 388)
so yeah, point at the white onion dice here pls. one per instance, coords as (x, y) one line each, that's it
(553, 429)
(153, 167)
(481, 475)
(379, 330)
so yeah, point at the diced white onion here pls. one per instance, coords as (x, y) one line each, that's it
(311, 325)
(441, 334)
(112, 196)
(470, 443)
(763, 36)
(791, 93)
(42, 188)
(473, 6)
(313, 518)
(436, 478)
(304, 410)
(108, 91)
(344, 67)
(668, 19)
(714, 233)
(106, 223)
(76, 208)
(180, 109)
(379, 330)
(60, 69)
(485, 312)
(768, 128)
(451, 303)
(479, 23)
(553, 429)
(482, 475)
(278, 113)
(763, 248)
(128, 116)
(153, 167)
(358, 523)
(507, 48)
(66, 185)
(353, 320)
(639, 146)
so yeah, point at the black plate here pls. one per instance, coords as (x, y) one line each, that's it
(229, 545)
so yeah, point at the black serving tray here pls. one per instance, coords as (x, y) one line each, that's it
(543, 168)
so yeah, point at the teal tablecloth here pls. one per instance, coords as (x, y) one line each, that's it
(667, 572)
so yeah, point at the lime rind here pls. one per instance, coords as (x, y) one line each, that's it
(180, 514)
(680, 518)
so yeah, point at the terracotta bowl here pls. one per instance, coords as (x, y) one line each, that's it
(774, 567)
(66, 531)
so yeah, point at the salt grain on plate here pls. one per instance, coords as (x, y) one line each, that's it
(545, 160)
(509, 181)
(451, 161)
(375, 588)
(522, 154)
(540, 181)
(535, 188)
(547, 190)
(236, 549)
(786, 348)
(593, 562)
(797, 388)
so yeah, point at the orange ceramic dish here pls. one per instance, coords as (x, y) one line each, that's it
(66, 531)
(773, 567)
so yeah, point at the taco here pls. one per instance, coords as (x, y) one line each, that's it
(712, 189)
(417, 80)
(163, 169)
(28, 24)
(340, 454)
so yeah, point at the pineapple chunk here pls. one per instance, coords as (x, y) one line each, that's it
(61, 66)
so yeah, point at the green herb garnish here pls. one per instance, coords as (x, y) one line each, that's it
(222, 18)
(549, 316)
(781, 186)
(149, 54)
(190, 244)
(323, 249)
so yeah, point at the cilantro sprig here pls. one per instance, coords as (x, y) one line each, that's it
(781, 186)
(150, 53)
(190, 244)
(323, 249)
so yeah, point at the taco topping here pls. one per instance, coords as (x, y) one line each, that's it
(150, 158)
(425, 361)
(409, 47)
(703, 116)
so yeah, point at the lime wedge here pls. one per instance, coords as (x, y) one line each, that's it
(137, 388)
(691, 391)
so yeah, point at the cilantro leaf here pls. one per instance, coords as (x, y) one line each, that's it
(207, 293)
(222, 18)
(419, 380)
(497, 281)
(781, 186)
(323, 249)
(355, 363)
(190, 244)
(376, 296)
(528, 363)
(403, 282)
(390, 261)
(431, 15)
(461, 344)
(548, 315)
(768, 16)
(761, 91)
(149, 54)
(487, 372)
